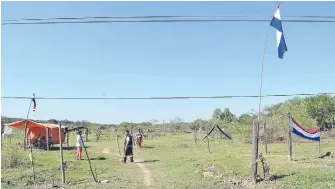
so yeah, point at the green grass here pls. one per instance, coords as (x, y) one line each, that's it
(178, 163)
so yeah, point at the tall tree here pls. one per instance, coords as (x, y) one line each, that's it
(322, 109)
(227, 116)
(217, 114)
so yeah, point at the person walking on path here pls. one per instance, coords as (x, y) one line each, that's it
(128, 147)
(79, 145)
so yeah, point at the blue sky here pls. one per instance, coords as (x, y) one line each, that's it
(158, 59)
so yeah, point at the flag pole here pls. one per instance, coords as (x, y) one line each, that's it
(25, 127)
(262, 70)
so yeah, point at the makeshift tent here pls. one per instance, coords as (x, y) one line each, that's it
(40, 129)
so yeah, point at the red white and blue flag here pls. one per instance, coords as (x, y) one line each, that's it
(34, 102)
(277, 24)
(311, 134)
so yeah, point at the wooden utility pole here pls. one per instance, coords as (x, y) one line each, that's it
(265, 137)
(61, 152)
(289, 135)
(254, 151)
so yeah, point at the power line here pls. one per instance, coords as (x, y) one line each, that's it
(165, 98)
(162, 21)
(137, 17)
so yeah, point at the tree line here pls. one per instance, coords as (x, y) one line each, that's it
(310, 111)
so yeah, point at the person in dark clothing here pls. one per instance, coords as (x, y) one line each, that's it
(128, 147)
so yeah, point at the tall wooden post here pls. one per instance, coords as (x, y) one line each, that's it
(47, 137)
(32, 162)
(265, 137)
(61, 152)
(195, 135)
(254, 151)
(118, 145)
(289, 135)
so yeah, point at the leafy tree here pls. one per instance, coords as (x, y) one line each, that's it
(227, 116)
(217, 114)
(246, 119)
(322, 109)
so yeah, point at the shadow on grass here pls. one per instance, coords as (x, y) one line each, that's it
(65, 148)
(150, 147)
(98, 158)
(148, 161)
(278, 177)
(273, 177)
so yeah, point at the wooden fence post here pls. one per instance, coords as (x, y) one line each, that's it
(289, 135)
(254, 151)
(195, 135)
(61, 152)
(118, 145)
(86, 134)
(265, 137)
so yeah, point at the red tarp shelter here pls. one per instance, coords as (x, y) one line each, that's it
(39, 129)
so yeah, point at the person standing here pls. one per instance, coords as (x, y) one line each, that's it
(128, 147)
(50, 143)
(79, 145)
(139, 137)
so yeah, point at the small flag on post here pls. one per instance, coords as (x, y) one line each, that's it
(34, 101)
(281, 44)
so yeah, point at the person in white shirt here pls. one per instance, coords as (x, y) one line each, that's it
(79, 145)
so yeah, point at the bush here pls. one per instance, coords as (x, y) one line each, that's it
(13, 157)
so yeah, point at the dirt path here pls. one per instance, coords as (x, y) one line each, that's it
(146, 172)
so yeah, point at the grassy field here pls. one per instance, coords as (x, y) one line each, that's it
(171, 161)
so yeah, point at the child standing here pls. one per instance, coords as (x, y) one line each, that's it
(79, 145)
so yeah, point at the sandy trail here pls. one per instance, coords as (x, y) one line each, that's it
(146, 172)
